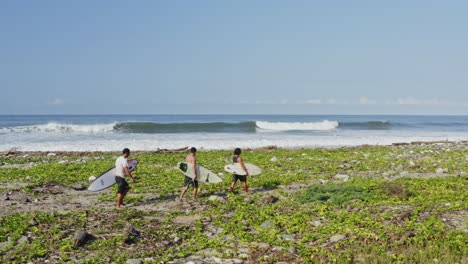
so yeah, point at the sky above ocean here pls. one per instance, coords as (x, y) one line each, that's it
(234, 57)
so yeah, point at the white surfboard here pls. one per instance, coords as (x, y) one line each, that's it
(235, 168)
(107, 179)
(203, 174)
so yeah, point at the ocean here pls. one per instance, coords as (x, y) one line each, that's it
(152, 132)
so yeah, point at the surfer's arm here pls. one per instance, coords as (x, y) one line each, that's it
(241, 162)
(127, 171)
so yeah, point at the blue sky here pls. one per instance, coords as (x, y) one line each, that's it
(229, 57)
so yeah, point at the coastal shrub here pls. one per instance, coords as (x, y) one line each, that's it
(337, 194)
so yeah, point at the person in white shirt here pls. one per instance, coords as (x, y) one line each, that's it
(121, 170)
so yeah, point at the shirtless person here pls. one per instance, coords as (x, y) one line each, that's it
(243, 178)
(191, 159)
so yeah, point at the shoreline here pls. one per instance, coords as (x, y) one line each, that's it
(15, 152)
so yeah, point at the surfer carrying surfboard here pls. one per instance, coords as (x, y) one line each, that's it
(191, 159)
(121, 170)
(243, 178)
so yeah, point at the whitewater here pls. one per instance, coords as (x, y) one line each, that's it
(152, 132)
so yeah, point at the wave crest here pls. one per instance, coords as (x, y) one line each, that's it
(285, 126)
(61, 128)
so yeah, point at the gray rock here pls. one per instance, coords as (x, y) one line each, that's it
(243, 256)
(185, 220)
(288, 237)
(63, 162)
(248, 200)
(216, 198)
(342, 177)
(274, 159)
(267, 225)
(317, 223)
(51, 154)
(292, 250)
(337, 238)
(323, 181)
(134, 261)
(91, 178)
(22, 240)
(439, 171)
(80, 237)
(269, 199)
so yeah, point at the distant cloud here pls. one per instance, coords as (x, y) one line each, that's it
(56, 101)
(415, 101)
(313, 101)
(365, 101)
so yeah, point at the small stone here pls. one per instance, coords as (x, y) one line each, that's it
(411, 163)
(336, 238)
(274, 159)
(323, 181)
(243, 256)
(32, 222)
(80, 237)
(404, 173)
(245, 222)
(248, 200)
(22, 240)
(63, 162)
(134, 261)
(267, 225)
(215, 198)
(51, 154)
(176, 239)
(28, 178)
(448, 204)
(342, 177)
(288, 237)
(292, 250)
(91, 178)
(439, 171)
(317, 223)
(221, 174)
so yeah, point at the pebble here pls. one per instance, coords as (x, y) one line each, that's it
(439, 171)
(337, 238)
(267, 225)
(51, 154)
(274, 159)
(91, 178)
(317, 223)
(134, 261)
(342, 177)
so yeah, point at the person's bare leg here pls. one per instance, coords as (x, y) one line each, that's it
(232, 186)
(246, 188)
(195, 193)
(120, 197)
(182, 193)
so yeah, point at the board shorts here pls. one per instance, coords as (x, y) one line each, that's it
(242, 178)
(189, 181)
(123, 185)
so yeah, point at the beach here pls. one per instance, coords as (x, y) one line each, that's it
(365, 204)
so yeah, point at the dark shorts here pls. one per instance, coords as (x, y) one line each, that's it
(189, 181)
(123, 185)
(242, 178)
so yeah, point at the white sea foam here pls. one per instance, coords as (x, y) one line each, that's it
(118, 141)
(287, 126)
(54, 127)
